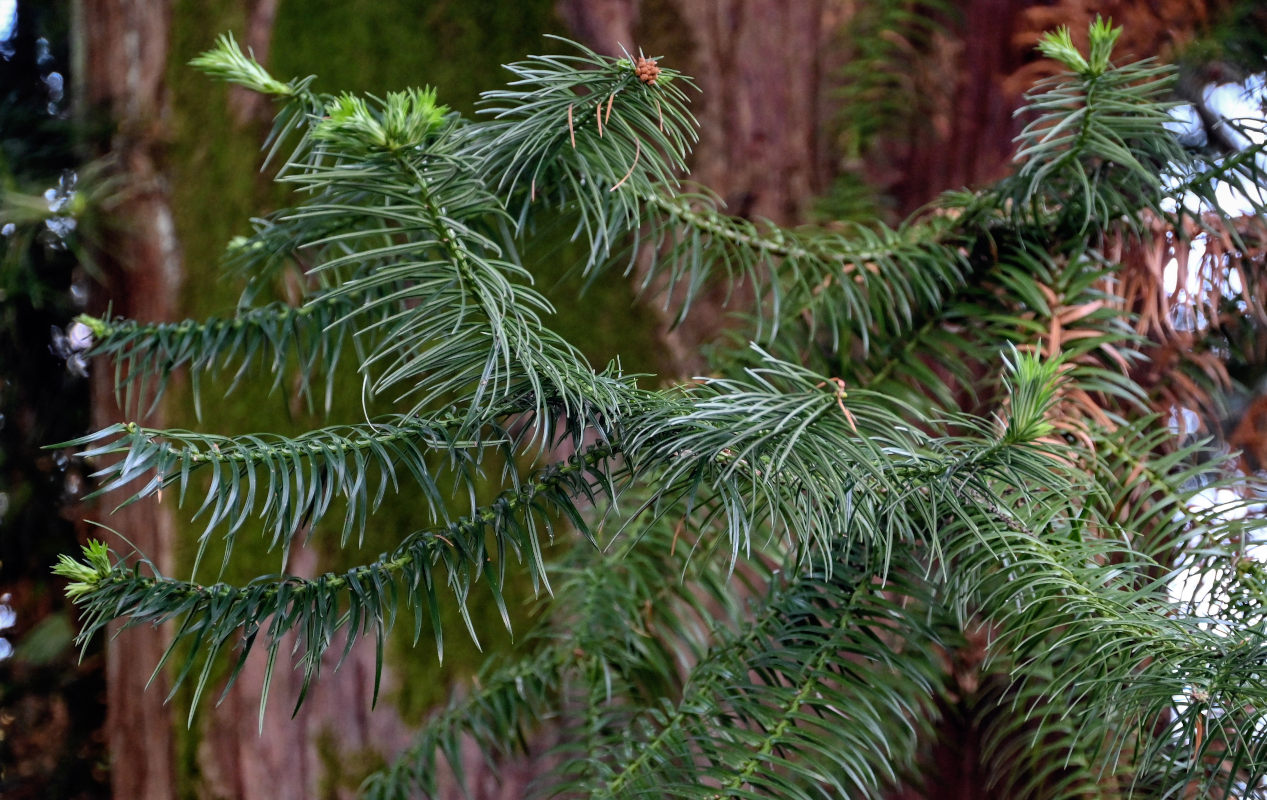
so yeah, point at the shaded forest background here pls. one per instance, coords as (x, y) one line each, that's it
(808, 110)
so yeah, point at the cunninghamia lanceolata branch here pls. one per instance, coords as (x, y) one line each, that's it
(437, 202)
(872, 276)
(608, 643)
(583, 132)
(360, 600)
(1098, 147)
(788, 451)
(502, 343)
(311, 337)
(657, 734)
(777, 685)
(227, 62)
(856, 281)
(977, 517)
(452, 314)
(295, 479)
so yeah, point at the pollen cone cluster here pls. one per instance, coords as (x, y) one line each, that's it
(646, 70)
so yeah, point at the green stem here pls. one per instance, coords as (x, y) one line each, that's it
(105, 330)
(243, 455)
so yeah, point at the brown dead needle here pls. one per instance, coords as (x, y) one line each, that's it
(637, 152)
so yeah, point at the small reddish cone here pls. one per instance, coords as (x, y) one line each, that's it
(646, 70)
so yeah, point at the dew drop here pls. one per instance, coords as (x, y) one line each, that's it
(61, 227)
(8, 618)
(8, 28)
(79, 337)
(77, 365)
(56, 85)
(74, 485)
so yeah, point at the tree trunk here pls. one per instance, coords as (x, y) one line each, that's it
(975, 74)
(245, 105)
(120, 61)
(312, 753)
(759, 68)
(968, 140)
(605, 25)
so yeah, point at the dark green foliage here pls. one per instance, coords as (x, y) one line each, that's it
(772, 565)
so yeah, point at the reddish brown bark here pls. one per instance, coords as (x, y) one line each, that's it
(604, 25)
(121, 57)
(299, 757)
(759, 67)
(974, 75)
(245, 105)
(968, 141)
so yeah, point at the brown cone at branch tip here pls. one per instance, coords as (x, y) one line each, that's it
(646, 70)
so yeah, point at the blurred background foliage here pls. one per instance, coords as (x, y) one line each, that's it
(52, 706)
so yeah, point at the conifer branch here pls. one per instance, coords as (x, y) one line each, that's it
(360, 601)
(291, 481)
(898, 528)
(311, 338)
